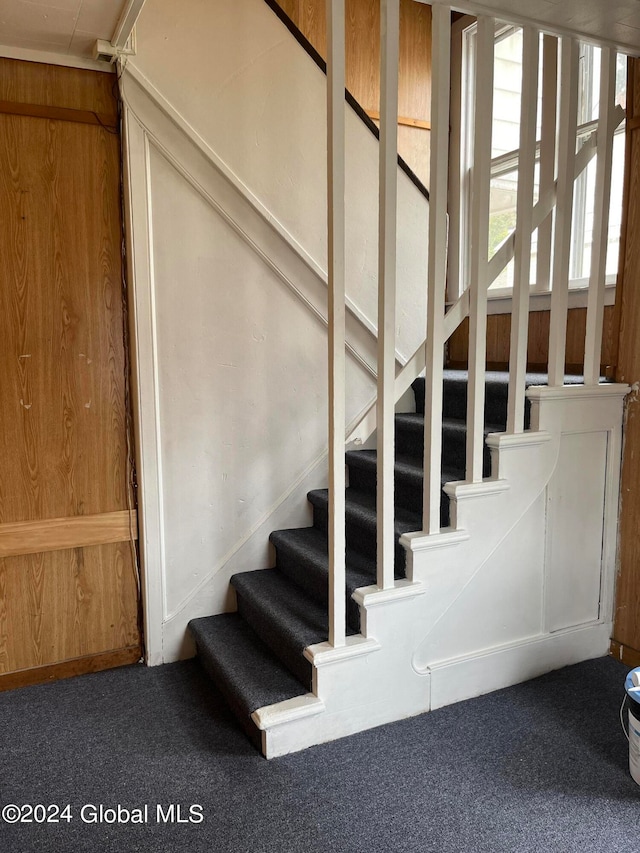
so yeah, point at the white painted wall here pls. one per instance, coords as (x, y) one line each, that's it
(226, 175)
(234, 74)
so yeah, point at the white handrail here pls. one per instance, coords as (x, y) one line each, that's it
(439, 166)
(336, 316)
(389, 50)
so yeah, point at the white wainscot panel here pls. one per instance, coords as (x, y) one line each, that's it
(575, 510)
(242, 385)
(502, 603)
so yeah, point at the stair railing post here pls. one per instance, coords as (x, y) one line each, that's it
(600, 240)
(479, 266)
(439, 169)
(547, 155)
(524, 219)
(564, 208)
(388, 179)
(336, 316)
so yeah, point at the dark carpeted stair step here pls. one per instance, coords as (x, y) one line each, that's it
(409, 479)
(496, 394)
(361, 522)
(302, 555)
(284, 617)
(245, 671)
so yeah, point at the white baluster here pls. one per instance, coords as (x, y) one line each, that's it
(547, 155)
(595, 300)
(389, 46)
(524, 219)
(440, 78)
(336, 252)
(564, 209)
(478, 270)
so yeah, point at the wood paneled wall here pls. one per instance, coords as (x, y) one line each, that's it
(626, 634)
(363, 65)
(499, 331)
(68, 588)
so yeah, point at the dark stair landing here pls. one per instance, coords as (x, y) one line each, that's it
(255, 656)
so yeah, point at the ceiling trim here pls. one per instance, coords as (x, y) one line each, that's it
(473, 8)
(68, 59)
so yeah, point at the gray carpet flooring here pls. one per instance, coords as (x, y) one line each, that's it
(537, 767)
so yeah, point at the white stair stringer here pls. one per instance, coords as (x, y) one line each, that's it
(448, 632)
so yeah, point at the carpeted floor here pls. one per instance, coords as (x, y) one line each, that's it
(537, 767)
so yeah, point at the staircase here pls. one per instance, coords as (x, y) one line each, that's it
(256, 656)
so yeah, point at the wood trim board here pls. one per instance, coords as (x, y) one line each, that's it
(69, 668)
(374, 115)
(57, 534)
(59, 114)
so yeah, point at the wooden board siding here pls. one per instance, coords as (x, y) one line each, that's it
(626, 633)
(362, 36)
(63, 420)
(499, 330)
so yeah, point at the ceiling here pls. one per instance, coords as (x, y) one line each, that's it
(70, 27)
(67, 27)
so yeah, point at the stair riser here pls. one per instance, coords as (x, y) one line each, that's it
(315, 582)
(455, 403)
(361, 538)
(409, 442)
(408, 495)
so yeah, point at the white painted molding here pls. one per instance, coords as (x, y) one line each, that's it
(507, 441)
(145, 386)
(131, 71)
(463, 491)
(373, 596)
(287, 711)
(420, 541)
(492, 669)
(324, 654)
(578, 392)
(504, 9)
(52, 58)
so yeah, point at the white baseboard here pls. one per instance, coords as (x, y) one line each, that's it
(456, 680)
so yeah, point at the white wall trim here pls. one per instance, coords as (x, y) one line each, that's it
(130, 70)
(145, 386)
(52, 58)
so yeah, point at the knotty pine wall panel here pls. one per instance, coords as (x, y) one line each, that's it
(60, 605)
(362, 49)
(499, 331)
(63, 424)
(626, 632)
(62, 418)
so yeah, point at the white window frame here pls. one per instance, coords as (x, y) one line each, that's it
(463, 54)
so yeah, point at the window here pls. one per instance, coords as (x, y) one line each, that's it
(505, 141)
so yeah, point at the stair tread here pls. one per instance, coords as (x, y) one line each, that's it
(284, 616)
(362, 506)
(248, 673)
(415, 421)
(311, 545)
(405, 466)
